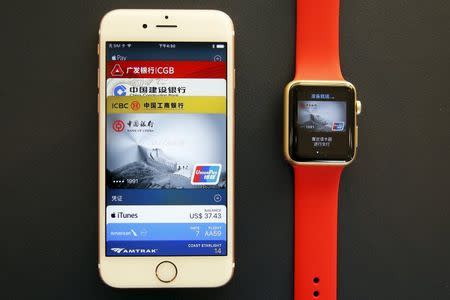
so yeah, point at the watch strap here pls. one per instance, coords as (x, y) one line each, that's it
(317, 43)
(315, 231)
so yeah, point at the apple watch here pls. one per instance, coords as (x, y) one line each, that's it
(320, 139)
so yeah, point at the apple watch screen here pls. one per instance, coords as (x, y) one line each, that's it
(321, 121)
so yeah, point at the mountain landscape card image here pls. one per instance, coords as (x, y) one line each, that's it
(161, 150)
(322, 116)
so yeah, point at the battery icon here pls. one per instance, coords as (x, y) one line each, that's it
(220, 46)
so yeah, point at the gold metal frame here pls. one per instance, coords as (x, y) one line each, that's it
(286, 120)
(193, 26)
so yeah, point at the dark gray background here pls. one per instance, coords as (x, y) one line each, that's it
(394, 227)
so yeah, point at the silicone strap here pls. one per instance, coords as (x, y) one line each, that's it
(316, 187)
(315, 231)
(317, 55)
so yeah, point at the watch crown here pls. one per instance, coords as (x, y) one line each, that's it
(358, 107)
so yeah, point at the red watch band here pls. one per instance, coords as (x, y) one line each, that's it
(316, 187)
(315, 231)
(317, 54)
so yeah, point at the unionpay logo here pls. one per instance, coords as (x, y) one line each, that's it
(338, 126)
(206, 174)
(120, 90)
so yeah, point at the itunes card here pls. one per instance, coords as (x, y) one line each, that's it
(166, 213)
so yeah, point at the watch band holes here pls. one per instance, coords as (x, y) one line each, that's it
(316, 294)
(316, 280)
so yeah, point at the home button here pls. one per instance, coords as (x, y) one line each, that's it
(166, 271)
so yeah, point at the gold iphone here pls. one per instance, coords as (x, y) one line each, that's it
(166, 148)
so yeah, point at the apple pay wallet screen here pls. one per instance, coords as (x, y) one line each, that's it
(166, 155)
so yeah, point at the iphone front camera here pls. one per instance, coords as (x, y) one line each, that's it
(144, 25)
